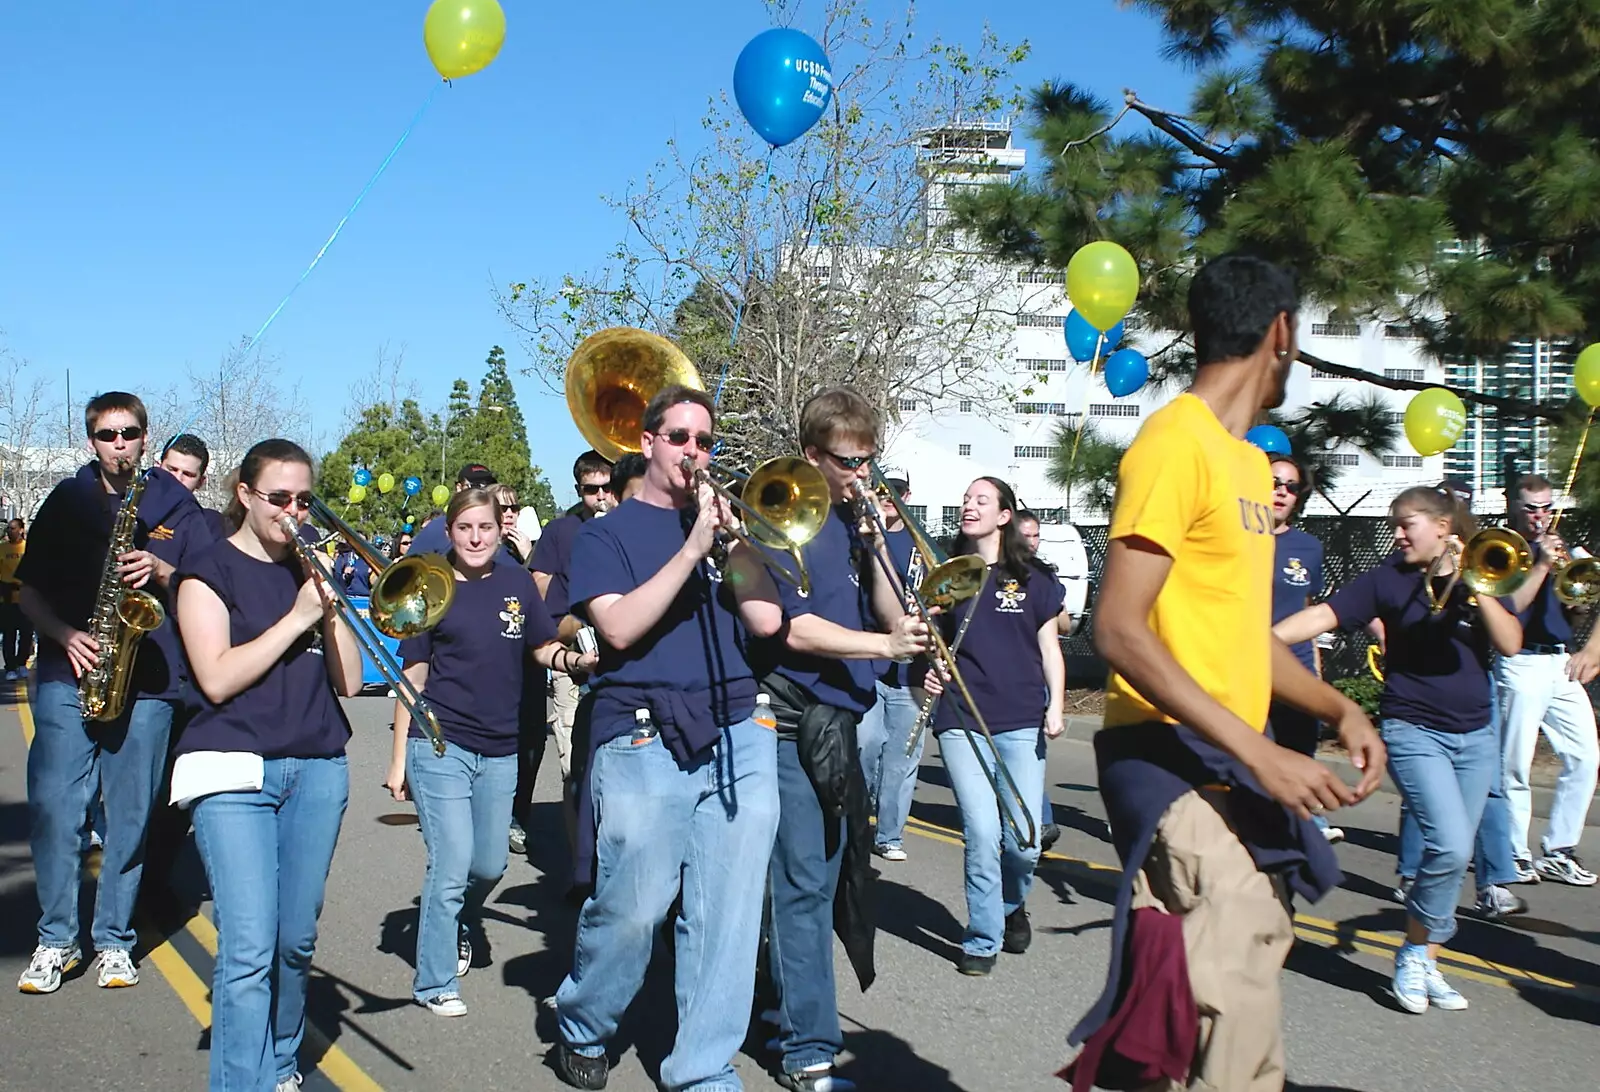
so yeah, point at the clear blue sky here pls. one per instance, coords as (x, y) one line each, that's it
(170, 168)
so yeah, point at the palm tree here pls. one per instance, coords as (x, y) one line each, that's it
(1320, 429)
(1085, 460)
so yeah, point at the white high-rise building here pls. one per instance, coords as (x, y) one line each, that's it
(943, 446)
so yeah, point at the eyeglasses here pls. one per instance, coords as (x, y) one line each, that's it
(849, 462)
(1294, 489)
(679, 437)
(1537, 508)
(591, 490)
(109, 435)
(282, 498)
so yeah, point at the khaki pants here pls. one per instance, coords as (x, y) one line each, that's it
(1236, 935)
(563, 711)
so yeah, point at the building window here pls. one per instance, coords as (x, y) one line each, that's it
(919, 512)
(821, 272)
(1335, 329)
(965, 405)
(1032, 451)
(1318, 373)
(1040, 276)
(1041, 322)
(1044, 364)
(963, 449)
(1046, 409)
(1412, 461)
(908, 405)
(1340, 458)
(964, 274)
(952, 515)
(1416, 375)
(1407, 333)
(1395, 417)
(1113, 409)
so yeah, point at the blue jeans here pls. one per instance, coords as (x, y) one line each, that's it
(891, 773)
(70, 761)
(1445, 778)
(999, 872)
(710, 825)
(267, 855)
(464, 807)
(800, 938)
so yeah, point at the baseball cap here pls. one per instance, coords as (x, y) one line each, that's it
(897, 478)
(1461, 489)
(476, 475)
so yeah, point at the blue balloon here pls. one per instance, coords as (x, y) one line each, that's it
(782, 82)
(1126, 371)
(1081, 338)
(413, 486)
(1269, 438)
(363, 476)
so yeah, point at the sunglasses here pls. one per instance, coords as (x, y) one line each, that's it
(679, 437)
(1294, 489)
(1536, 508)
(108, 435)
(591, 490)
(282, 498)
(849, 462)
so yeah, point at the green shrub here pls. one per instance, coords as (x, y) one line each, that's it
(1363, 690)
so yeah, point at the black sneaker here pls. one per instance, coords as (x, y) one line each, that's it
(975, 965)
(1049, 837)
(818, 1078)
(581, 1072)
(1019, 934)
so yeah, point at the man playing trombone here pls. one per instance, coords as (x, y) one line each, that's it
(822, 678)
(686, 776)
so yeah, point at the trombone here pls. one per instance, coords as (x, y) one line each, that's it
(948, 582)
(610, 379)
(408, 596)
(1494, 562)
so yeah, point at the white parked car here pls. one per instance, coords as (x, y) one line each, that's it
(1062, 546)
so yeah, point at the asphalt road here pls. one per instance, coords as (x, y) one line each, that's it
(1534, 986)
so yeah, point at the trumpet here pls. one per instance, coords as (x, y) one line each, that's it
(408, 596)
(610, 379)
(1575, 576)
(1494, 562)
(949, 581)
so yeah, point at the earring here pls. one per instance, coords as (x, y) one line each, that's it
(1283, 354)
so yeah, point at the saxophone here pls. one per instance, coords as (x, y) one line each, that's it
(121, 617)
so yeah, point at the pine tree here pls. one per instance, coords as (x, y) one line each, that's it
(400, 442)
(494, 434)
(1353, 142)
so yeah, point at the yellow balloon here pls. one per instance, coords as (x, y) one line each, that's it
(358, 493)
(441, 494)
(1586, 376)
(385, 482)
(1434, 420)
(463, 36)
(1102, 283)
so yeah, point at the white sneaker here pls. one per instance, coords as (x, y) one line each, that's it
(894, 852)
(463, 957)
(11, 676)
(46, 968)
(116, 969)
(1563, 866)
(1410, 983)
(447, 1005)
(1442, 995)
(288, 1084)
(1333, 834)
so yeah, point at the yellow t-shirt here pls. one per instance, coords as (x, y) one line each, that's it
(1205, 498)
(10, 558)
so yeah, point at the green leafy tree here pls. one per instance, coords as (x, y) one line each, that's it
(1355, 142)
(1084, 467)
(384, 438)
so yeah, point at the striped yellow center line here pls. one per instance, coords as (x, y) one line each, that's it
(1332, 934)
(195, 994)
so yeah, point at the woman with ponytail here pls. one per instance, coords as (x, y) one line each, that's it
(1011, 662)
(1435, 710)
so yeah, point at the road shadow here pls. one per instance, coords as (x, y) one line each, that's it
(397, 936)
(912, 916)
(1334, 967)
(331, 1004)
(882, 1060)
(1379, 841)
(1074, 818)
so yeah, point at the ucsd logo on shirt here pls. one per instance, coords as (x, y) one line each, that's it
(1255, 517)
(1295, 573)
(513, 617)
(1009, 596)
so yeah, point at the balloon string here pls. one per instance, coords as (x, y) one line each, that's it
(1083, 414)
(339, 227)
(1572, 471)
(738, 314)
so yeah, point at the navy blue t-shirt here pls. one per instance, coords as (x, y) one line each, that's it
(999, 657)
(1545, 621)
(697, 648)
(908, 563)
(1296, 578)
(477, 656)
(552, 554)
(355, 573)
(291, 711)
(66, 557)
(1436, 666)
(841, 571)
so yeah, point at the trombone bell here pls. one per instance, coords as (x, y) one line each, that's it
(411, 595)
(953, 581)
(1495, 562)
(611, 377)
(1577, 583)
(790, 499)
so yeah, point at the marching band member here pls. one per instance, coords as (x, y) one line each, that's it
(1436, 711)
(122, 760)
(823, 672)
(1011, 660)
(469, 668)
(683, 781)
(1542, 687)
(264, 762)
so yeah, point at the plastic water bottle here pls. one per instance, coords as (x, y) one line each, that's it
(644, 729)
(764, 715)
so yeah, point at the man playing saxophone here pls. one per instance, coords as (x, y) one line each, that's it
(71, 589)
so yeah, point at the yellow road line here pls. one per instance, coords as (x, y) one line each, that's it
(1331, 934)
(336, 1065)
